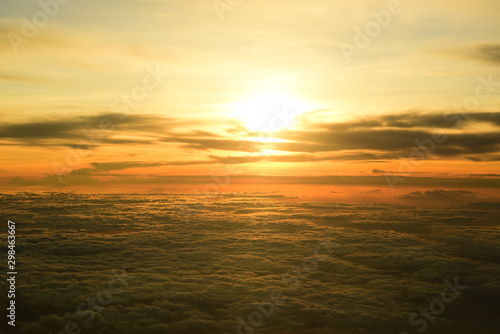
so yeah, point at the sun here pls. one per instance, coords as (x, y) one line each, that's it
(269, 111)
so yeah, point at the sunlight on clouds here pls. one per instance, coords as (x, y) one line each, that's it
(269, 140)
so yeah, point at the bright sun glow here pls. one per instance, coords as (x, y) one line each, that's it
(268, 112)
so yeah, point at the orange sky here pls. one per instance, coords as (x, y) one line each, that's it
(123, 90)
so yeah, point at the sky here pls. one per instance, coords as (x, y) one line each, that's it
(134, 91)
(206, 148)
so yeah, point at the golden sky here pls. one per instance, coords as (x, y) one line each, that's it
(135, 89)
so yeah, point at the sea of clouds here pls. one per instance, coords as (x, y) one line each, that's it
(250, 263)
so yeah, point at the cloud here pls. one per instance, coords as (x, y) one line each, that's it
(373, 191)
(489, 53)
(383, 138)
(414, 119)
(482, 206)
(388, 262)
(73, 178)
(92, 176)
(121, 165)
(381, 171)
(97, 129)
(107, 166)
(298, 157)
(215, 144)
(440, 195)
(395, 135)
(387, 140)
(378, 171)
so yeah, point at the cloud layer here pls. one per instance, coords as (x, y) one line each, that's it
(387, 137)
(200, 263)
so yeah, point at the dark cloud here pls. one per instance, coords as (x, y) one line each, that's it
(378, 171)
(385, 137)
(96, 129)
(373, 191)
(415, 119)
(381, 171)
(107, 166)
(489, 53)
(482, 206)
(388, 140)
(475, 159)
(441, 195)
(121, 165)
